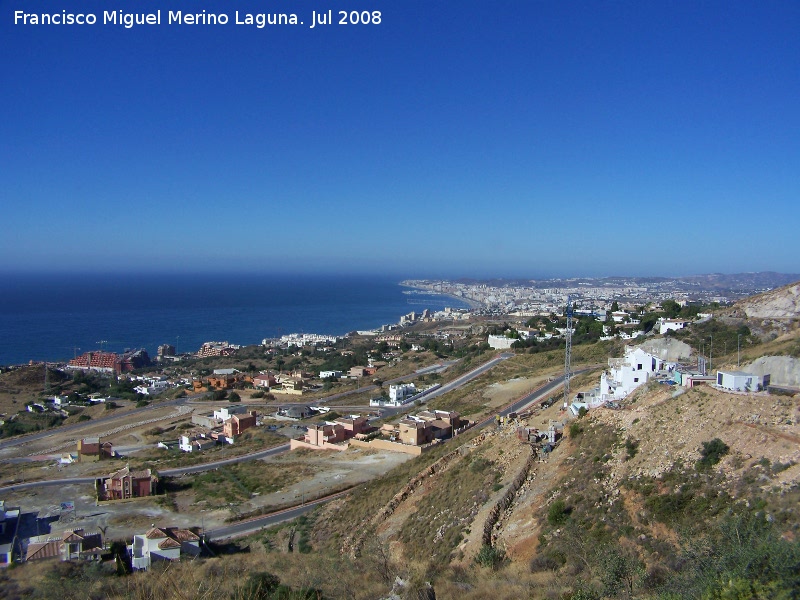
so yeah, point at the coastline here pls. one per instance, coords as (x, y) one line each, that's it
(472, 304)
(52, 318)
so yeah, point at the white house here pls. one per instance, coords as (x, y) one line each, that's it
(328, 374)
(629, 372)
(155, 387)
(738, 381)
(399, 392)
(167, 543)
(226, 412)
(500, 342)
(191, 443)
(665, 325)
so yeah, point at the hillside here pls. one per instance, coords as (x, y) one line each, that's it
(23, 384)
(782, 304)
(675, 494)
(629, 505)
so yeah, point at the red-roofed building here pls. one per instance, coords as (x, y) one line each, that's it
(127, 484)
(71, 545)
(110, 362)
(238, 423)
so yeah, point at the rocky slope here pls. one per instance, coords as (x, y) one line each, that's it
(782, 303)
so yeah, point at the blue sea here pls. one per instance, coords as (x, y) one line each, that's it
(54, 317)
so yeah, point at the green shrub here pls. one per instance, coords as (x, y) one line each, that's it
(490, 557)
(558, 513)
(711, 453)
(631, 447)
(575, 429)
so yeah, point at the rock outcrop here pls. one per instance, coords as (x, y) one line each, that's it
(783, 303)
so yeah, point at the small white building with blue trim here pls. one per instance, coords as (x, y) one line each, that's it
(739, 381)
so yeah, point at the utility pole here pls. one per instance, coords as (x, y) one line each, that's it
(568, 352)
(710, 351)
(739, 350)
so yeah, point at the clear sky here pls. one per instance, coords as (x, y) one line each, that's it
(455, 138)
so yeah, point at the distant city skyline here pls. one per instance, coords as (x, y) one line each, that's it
(470, 139)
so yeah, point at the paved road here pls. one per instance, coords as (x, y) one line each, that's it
(77, 426)
(459, 381)
(535, 396)
(253, 525)
(223, 462)
(390, 411)
(47, 483)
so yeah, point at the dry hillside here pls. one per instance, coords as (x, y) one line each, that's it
(782, 303)
(676, 494)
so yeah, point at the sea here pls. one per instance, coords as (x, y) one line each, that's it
(55, 317)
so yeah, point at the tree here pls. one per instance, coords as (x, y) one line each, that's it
(620, 571)
(671, 308)
(234, 397)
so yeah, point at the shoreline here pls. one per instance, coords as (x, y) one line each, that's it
(401, 309)
(472, 304)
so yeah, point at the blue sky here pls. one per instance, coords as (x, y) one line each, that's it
(460, 138)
